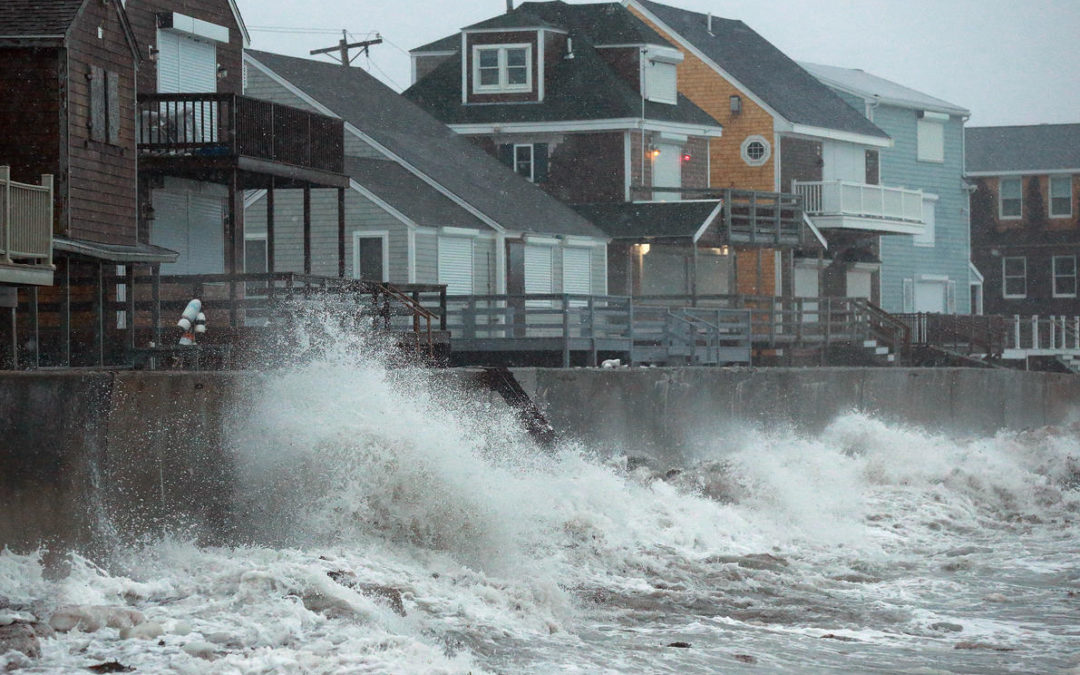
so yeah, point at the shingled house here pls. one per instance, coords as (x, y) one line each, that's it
(586, 102)
(69, 89)
(1025, 217)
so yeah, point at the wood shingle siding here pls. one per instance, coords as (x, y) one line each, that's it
(101, 140)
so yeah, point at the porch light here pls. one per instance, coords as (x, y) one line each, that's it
(643, 248)
(736, 104)
(222, 72)
(653, 152)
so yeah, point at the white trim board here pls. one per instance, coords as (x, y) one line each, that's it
(612, 124)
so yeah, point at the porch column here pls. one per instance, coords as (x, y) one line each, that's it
(234, 229)
(694, 276)
(65, 314)
(341, 232)
(155, 302)
(270, 227)
(130, 281)
(307, 230)
(99, 313)
(15, 333)
(35, 354)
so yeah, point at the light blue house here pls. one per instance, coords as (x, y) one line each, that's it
(931, 272)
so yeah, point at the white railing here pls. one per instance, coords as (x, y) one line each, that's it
(26, 219)
(1045, 333)
(844, 198)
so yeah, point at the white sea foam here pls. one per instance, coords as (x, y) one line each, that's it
(770, 547)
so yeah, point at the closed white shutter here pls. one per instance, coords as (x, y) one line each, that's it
(577, 277)
(538, 269)
(169, 229)
(660, 82)
(667, 171)
(192, 226)
(206, 235)
(456, 265)
(185, 65)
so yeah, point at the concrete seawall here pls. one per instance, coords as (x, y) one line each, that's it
(89, 458)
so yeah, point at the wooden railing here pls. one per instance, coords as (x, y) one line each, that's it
(212, 125)
(754, 217)
(966, 334)
(26, 220)
(845, 198)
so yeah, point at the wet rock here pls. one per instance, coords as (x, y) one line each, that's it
(983, 645)
(995, 597)
(110, 667)
(745, 658)
(148, 630)
(91, 618)
(967, 550)
(841, 638)
(946, 627)
(857, 578)
(20, 637)
(680, 645)
(753, 561)
(387, 595)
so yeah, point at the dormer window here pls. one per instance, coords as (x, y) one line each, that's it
(659, 74)
(502, 68)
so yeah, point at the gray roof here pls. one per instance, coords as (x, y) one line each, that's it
(450, 43)
(37, 18)
(864, 84)
(408, 194)
(431, 147)
(765, 71)
(1039, 147)
(642, 221)
(584, 88)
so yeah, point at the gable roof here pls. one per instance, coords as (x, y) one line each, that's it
(429, 146)
(603, 23)
(1033, 148)
(764, 71)
(578, 89)
(409, 195)
(34, 19)
(862, 83)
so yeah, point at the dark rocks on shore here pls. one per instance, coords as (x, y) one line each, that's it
(23, 637)
(680, 645)
(387, 595)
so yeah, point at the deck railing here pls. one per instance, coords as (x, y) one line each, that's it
(846, 198)
(1045, 334)
(216, 125)
(26, 220)
(763, 217)
(967, 334)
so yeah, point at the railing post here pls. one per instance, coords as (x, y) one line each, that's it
(5, 176)
(566, 331)
(1076, 332)
(630, 329)
(442, 308)
(1034, 331)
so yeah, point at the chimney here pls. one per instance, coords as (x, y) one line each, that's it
(509, 6)
(710, 20)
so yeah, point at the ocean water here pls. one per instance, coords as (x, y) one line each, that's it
(865, 548)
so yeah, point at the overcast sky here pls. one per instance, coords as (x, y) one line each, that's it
(1009, 62)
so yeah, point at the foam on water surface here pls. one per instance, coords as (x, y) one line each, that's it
(868, 546)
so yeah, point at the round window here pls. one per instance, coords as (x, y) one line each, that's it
(755, 150)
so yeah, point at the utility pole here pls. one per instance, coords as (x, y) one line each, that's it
(343, 47)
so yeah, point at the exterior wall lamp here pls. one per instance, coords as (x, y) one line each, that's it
(736, 104)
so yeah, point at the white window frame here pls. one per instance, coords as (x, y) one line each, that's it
(1054, 277)
(503, 86)
(371, 234)
(1004, 278)
(1001, 198)
(1068, 181)
(930, 139)
(745, 147)
(532, 160)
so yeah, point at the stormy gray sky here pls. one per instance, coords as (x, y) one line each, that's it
(1008, 62)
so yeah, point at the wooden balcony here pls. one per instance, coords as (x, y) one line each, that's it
(26, 225)
(201, 135)
(856, 206)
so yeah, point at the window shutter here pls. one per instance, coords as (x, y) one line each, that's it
(540, 162)
(909, 295)
(538, 269)
(950, 298)
(97, 104)
(506, 154)
(113, 101)
(456, 265)
(577, 272)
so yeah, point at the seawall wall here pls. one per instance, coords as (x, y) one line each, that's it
(90, 458)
